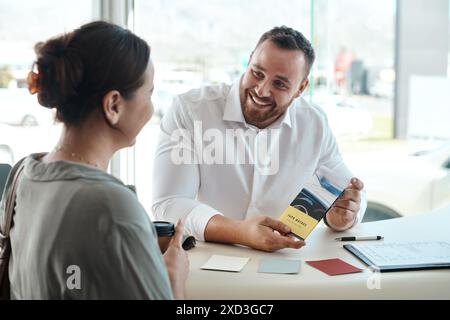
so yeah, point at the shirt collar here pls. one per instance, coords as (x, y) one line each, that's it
(37, 170)
(286, 117)
(233, 109)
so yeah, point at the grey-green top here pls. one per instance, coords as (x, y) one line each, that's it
(80, 233)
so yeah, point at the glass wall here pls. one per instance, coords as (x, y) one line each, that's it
(26, 126)
(354, 72)
(199, 42)
(354, 82)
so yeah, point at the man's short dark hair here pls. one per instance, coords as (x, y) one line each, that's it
(287, 38)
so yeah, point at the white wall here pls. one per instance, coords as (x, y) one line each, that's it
(422, 49)
(429, 107)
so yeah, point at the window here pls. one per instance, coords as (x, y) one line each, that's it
(354, 83)
(354, 73)
(26, 126)
(448, 41)
(199, 42)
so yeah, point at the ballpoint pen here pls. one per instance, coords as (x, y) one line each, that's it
(367, 238)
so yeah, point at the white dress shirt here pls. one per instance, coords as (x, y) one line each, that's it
(233, 180)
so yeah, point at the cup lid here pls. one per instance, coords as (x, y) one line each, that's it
(164, 228)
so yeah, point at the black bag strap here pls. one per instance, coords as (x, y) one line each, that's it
(8, 204)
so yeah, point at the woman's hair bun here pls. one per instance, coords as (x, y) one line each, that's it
(60, 71)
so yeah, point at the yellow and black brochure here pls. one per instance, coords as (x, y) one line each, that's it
(310, 206)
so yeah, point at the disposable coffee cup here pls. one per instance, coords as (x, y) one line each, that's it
(165, 231)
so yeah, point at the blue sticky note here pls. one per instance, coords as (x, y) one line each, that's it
(275, 265)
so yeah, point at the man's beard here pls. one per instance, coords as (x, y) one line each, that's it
(255, 114)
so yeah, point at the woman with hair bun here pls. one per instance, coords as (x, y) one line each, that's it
(78, 232)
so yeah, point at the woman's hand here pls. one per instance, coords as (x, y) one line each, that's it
(177, 263)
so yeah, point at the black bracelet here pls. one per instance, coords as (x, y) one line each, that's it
(188, 243)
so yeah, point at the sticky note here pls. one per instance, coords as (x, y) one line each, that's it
(225, 263)
(334, 267)
(284, 266)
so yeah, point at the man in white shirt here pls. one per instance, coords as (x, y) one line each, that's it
(230, 159)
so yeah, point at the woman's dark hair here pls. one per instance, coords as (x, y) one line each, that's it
(77, 69)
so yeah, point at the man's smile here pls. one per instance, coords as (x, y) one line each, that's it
(259, 102)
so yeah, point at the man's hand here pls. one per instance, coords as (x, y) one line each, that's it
(344, 211)
(259, 232)
(267, 234)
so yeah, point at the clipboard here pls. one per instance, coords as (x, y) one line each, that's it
(403, 256)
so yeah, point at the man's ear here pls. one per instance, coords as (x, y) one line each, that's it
(112, 107)
(302, 87)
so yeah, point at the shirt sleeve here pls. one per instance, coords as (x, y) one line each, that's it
(176, 174)
(331, 161)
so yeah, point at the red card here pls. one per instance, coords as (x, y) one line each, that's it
(334, 267)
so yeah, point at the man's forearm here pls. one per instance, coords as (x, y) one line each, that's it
(222, 229)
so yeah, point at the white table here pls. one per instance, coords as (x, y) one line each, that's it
(311, 283)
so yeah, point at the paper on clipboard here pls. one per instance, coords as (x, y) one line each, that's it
(402, 256)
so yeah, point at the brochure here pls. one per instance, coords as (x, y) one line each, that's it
(311, 205)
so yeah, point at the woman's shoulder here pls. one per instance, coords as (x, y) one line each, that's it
(89, 193)
(109, 199)
(109, 191)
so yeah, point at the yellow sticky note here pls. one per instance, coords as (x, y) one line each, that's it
(300, 223)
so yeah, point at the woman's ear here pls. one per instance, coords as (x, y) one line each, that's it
(112, 105)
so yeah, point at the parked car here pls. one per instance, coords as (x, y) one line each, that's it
(345, 116)
(17, 142)
(18, 107)
(399, 183)
(6, 154)
(7, 138)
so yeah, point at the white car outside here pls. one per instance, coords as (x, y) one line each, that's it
(401, 183)
(18, 107)
(345, 116)
(17, 142)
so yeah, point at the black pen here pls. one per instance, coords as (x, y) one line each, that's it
(360, 238)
